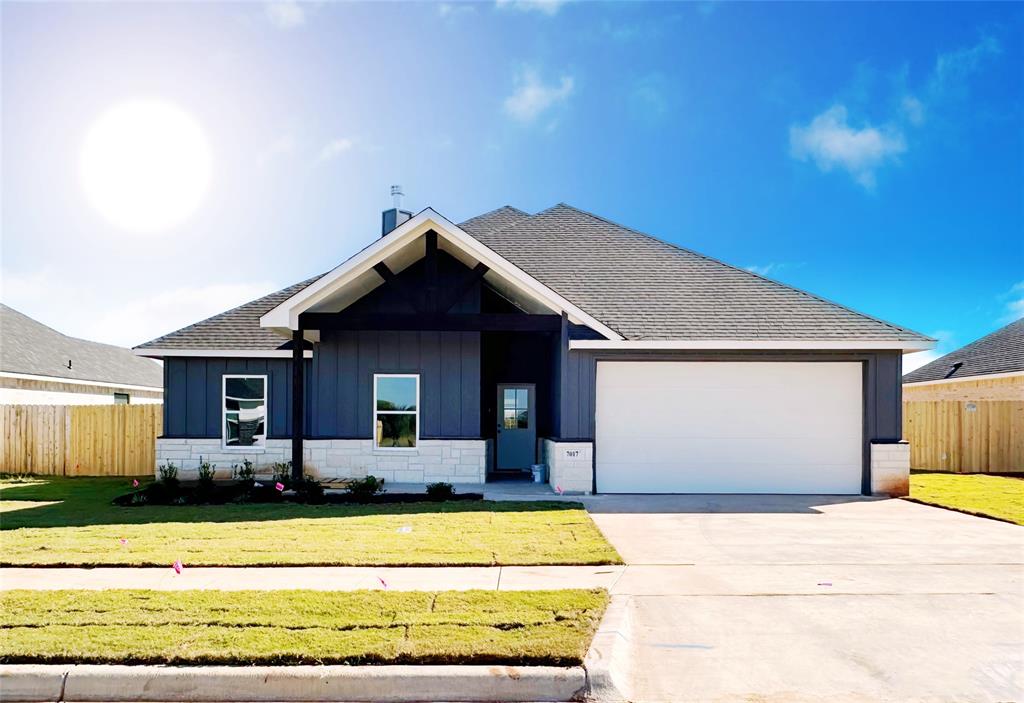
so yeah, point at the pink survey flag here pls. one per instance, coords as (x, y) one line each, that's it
(558, 490)
(279, 486)
(135, 483)
(383, 583)
(177, 566)
(123, 541)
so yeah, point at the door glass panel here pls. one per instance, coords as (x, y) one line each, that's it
(524, 420)
(522, 394)
(510, 419)
(510, 399)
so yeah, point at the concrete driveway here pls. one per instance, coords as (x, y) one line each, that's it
(794, 598)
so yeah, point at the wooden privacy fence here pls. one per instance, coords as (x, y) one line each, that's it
(965, 436)
(79, 440)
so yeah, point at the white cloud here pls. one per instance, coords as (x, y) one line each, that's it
(831, 142)
(913, 110)
(281, 147)
(769, 268)
(285, 14)
(451, 10)
(1014, 308)
(953, 68)
(945, 343)
(532, 96)
(650, 101)
(335, 148)
(544, 7)
(128, 320)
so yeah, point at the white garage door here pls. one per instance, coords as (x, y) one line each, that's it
(725, 427)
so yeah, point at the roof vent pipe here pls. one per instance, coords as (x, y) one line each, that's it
(390, 219)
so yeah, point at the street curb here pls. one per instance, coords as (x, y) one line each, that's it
(86, 683)
(609, 662)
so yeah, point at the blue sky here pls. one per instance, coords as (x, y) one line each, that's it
(870, 153)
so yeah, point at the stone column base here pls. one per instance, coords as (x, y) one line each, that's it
(890, 469)
(451, 460)
(570, 465)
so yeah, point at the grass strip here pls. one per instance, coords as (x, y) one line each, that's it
(299, 627)
(71, 522)
(999, 497)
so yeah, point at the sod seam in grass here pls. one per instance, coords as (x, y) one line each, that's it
(299, 627)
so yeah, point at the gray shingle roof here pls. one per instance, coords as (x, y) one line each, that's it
(638, 285)
(1000, 352)
(30, 347)
(238, 328)
(645, 288)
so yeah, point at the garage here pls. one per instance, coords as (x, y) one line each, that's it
(729, 427)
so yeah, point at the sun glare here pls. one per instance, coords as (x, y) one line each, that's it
(145, 165)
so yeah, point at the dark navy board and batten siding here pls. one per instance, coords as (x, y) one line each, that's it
(448, 364)
(339, 379)
(339, 386)
(193, 388)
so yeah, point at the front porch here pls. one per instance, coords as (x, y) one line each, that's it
(434, 374)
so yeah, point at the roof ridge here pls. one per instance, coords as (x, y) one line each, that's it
(741, 270)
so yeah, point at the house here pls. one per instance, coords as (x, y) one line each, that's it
(467, 352)
(41, 366)
(964, 412)
(991, 368)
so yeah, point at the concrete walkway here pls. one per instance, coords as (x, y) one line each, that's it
(318, 578)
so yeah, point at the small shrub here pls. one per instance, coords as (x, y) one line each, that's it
(442, 490)
(283, 472)
(308, 490)
(206, 473)
(364, 489)
(246, 473)
(168, 474)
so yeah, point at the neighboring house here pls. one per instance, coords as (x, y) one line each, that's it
(41, 366)
(991, 368)
(444, 352)
(965, 410)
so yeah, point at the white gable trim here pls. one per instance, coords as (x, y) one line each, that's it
(811, 344)
(286, 315)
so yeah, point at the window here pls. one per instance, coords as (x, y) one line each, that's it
(245, 411)
(121, 399)
(396, 402)
(517, 409)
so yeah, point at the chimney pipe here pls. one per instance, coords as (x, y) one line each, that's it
(390, 219)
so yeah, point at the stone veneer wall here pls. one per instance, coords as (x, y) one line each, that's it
(890, 469)
(451, 460)
(570, 465)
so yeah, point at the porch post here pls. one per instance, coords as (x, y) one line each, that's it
(298, 389)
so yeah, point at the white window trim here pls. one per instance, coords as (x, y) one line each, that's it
(256, 449)
(376, 412)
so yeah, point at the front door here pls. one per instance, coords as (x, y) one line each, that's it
(517, 430)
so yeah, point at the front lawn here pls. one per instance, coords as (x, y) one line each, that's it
(299, 627)
(1000, 497)
(71, 522)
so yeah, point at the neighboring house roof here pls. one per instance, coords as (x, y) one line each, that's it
(637, 285)
(1000, 352)
(30, 347)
